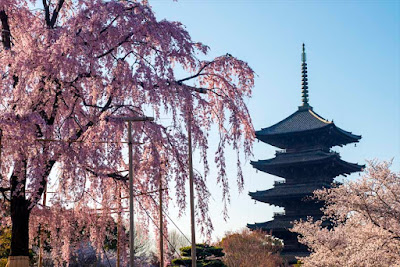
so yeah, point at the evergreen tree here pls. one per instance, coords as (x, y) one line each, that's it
(206, 255)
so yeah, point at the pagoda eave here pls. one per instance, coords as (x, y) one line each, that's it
(272, 225)
(282, 193)
(329, 163)
(334, 136)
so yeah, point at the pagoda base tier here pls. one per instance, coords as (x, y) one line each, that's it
(291, 256)
(292, 248)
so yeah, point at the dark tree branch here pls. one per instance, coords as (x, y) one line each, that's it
(46, 12)
(114, 175)
(17, 183)
(55, 13)
(43, 183)
(118, 45)
(108, 26)
(82, 130)
(3, 190)
(195, 75)
(6, 33)
(55, 104)
(50, 22)
(50, 119)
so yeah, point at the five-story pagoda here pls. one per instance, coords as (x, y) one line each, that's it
(306, 162)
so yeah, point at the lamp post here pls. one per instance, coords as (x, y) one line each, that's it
(131, 222)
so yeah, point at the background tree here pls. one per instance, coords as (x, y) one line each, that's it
(206, 255)
(251, 248)
(176, 241)
(68, 70)
(366, 222)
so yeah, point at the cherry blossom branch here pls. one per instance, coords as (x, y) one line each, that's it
(373, 221)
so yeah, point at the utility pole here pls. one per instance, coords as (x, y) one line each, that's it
(161, 224)
(131, 223)
(40, 260)
(191, 186)
(193, 251)
(1, 136)
(118, 223)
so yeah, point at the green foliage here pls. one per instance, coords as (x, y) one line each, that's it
(110, 242)
(202, 263)
(206, 256)
(202, 251)
(5, 244)
(298, 264)
(3, 262)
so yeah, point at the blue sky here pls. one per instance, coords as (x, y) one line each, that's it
(353, 56)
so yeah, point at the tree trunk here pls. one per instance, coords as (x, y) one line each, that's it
(20, 226)
(19, 211)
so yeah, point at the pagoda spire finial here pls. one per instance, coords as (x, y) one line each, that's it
(304, 83)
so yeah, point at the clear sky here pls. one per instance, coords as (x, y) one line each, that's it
(353, 56)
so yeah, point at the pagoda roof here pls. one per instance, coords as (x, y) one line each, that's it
(287, 191)
(296, 158)
(277, 165)
(304, 121)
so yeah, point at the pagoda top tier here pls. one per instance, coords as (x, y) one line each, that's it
(305, 128)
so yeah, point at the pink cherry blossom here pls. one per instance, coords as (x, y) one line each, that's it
(366, 222)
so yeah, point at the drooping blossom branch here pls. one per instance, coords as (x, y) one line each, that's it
(66, 70)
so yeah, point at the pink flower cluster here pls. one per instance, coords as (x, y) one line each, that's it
(366, 222)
